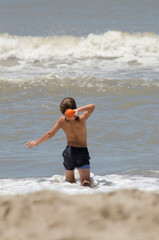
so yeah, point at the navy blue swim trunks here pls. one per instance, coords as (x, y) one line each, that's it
(76, 157)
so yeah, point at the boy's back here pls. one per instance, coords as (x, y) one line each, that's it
(75, 131)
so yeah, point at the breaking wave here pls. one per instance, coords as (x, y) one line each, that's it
(112, 44)
(112, 55)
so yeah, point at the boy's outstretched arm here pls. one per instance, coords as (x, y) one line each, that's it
(46, 136)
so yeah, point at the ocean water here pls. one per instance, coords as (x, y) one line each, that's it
(102, 52)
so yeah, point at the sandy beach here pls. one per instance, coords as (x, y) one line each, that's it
(51, 215)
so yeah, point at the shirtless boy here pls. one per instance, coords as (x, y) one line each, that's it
(76, 154)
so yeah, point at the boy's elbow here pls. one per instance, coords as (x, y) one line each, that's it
(93, 107)
(50, 135)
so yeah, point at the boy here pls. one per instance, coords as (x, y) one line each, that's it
(76, 153)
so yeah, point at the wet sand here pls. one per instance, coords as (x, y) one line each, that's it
(120, 215)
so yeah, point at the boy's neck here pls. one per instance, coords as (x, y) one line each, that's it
(77, 118)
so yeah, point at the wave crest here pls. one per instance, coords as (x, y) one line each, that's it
(112, 44)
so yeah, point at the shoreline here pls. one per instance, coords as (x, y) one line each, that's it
(123, 214)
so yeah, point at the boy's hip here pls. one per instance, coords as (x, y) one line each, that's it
(76, 152)
(76, 157)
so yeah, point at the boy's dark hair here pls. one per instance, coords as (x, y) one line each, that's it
(67, 103)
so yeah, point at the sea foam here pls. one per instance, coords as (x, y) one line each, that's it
(107, 183)
(112, 44)
(89, 60)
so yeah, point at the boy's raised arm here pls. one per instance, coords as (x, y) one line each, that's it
(87, 109)
(46, 136)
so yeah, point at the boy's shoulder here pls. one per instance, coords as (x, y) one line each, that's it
(61, 119)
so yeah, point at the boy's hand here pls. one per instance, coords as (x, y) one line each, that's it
(31, 144)
(75, 112)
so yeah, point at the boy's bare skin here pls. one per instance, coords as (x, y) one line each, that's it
(76, 134)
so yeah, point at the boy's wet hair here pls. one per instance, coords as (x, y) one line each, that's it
(67, 103)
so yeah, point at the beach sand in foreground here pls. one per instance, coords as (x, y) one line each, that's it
(120, 215)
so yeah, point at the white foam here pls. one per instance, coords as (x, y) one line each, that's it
(99, 184)
(112, 44)
(112, 55)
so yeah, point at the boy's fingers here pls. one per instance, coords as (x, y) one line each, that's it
(28, 145)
